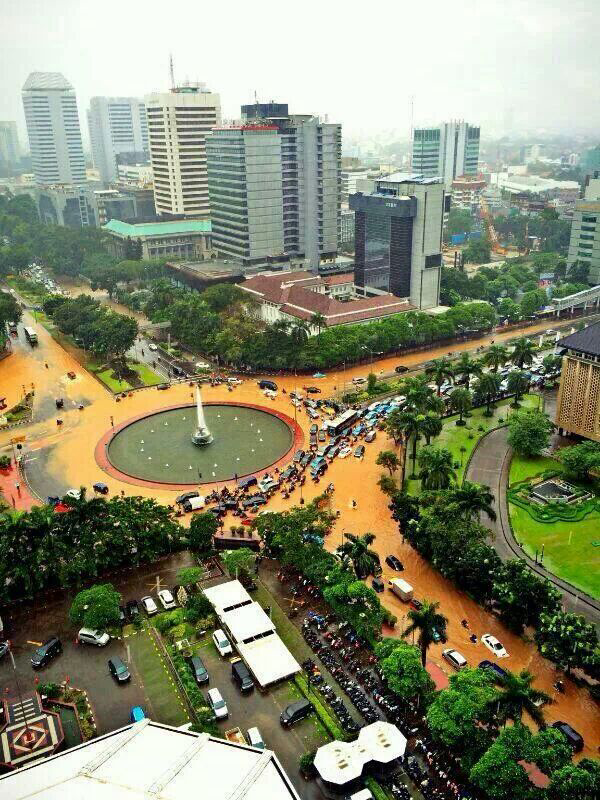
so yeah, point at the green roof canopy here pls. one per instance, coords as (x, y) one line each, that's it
(158, 228)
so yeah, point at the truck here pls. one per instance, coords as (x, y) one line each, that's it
(235, 735)
(193, 503)
(401, 589)
(31, 335)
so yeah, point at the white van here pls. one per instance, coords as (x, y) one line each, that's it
(454, 658)
(193, 504)
(88, 636)
(401, 589)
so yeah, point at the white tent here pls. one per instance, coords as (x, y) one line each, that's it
(383, 741)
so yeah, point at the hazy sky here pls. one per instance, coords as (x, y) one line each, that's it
(536, 62)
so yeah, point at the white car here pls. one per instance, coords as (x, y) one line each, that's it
(222, 643)
(453, 657)
(74, 493)
(218, 705)
(153, 347)
(167, 600)
(202, 365)
(149, 606)
(345, 452)
(255, 739)
(494, 645)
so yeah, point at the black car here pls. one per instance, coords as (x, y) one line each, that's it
(219, 510)
(378, 584)
(306, 459)
(177, 371)
(132, 609)
(163, 386)
(255, 500)
(241, 675)
(360, 451)
(44, 654)
(118, 669)
(53, 500)
(322, 436)
(295, 712)
(288, 472)
(186, 496)
(498, 673)
(394, 563)
(313, 440)
(101, 488)
(199, 671)
(312, 390)
(249, 480)
(400, 369)
(574, 739)
(268, 385)
(298, 456)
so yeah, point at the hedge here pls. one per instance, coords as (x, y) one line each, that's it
(326, 718)
(375, 789)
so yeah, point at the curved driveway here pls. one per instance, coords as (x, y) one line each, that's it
(490, 465)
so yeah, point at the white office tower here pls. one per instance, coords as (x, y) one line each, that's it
(10, 152)
(178, 122)
(117, 128)
(447, 151)
(53, 129)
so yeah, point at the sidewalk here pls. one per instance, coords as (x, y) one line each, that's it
(20, 499)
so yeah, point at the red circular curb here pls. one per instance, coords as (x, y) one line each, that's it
(101, 450)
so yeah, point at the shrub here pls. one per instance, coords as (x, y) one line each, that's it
(307, 763)
(51, 690)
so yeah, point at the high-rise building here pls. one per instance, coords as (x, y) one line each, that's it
(446, 151)
(53, 129)
(398, 237)
(275, 186)
(584, 245)
(117, 126)
(350, 177)
(10, 153)
(178, 122)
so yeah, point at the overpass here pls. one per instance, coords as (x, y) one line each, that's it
(586, 298)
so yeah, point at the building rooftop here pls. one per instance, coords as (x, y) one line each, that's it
(227, 595)
(247, 622)
(158, 228)
(407, 177)
(46, 81)
(586, 341)
(151, 760)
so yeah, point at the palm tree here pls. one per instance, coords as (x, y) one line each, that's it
(517, 695)
(471, 499)
(466, 367)
(517, 384)
(436, 465)
(460, 401)
(389, 460)
(431, 426)
(300, 332)
(523, 352)
(440, 370)
(411, 424)
(496, 356)
(418, 394)
(427, 621)
(317, 321)
(358, 551)
(488, 386)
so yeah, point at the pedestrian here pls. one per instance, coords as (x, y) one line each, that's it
(142, 351)
(18, 488)
(46, 364)
(354, 504)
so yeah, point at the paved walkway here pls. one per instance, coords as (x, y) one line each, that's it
(490, 465)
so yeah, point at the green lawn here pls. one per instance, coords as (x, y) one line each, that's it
(569, 550)
(32, 292)
(167, 705)
(454, 437)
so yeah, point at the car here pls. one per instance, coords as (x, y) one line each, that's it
(314, 429)
(358, 381)
(254, 737)
(360, 451)
(149, 605)
(218, 705)
(312, 389)
(167, 600)
(46, 652)
(162, 386)
(494, 645)
(89, 636)
(75, 494)
(312, 413)
(498, 673)
(137, 714)
(574, 739)
(295, 712)
(132, 609)
(203, 365)
(241, 675)
(438, 636)
(177, 371)
(345, 452)
(254, 500)
(118, 669)
(268, 385)
(454, 658)
(181, 498)
(199, 671)
(378, 585)
(289, 472)
(153, 347)
(222, 643)
(71, 374)
(322, 436)
(370, 437)
(249, 480)
(265, 485)
(400, 369)
(416, 604)
(333, 451)
(298, 456)
(306, 459)
(101, 488)
(394, 563)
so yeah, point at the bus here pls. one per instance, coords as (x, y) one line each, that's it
(31, 336)
(340, 424)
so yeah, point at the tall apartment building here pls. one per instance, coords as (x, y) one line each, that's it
(117, 126)
(53, 129)
(584, 245)
(398, 237)
(10, 152)
(350, 178)
(275, 186)
(447, 151)
(178, 122)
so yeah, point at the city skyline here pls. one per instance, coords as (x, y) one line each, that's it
(495, 65)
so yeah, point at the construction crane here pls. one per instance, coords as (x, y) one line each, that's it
(489, 222)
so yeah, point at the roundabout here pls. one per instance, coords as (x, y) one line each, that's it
(158, 448)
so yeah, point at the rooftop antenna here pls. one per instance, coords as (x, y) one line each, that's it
(171, 71)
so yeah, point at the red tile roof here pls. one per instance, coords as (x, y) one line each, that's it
(336, 280)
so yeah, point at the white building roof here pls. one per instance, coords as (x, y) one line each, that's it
(247, 622)
(227, 595)
(383, 741)
(151, 760)
(268, 659)
(46, 80)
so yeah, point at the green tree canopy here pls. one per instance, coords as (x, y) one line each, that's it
(521, 596)
(96, 608)
(437, 467)
(529, 431)
(580, 459)
(240, 561)
(569, 640)
(402, 669)
(202, 529)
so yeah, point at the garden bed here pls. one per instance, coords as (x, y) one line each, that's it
(61, 697)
